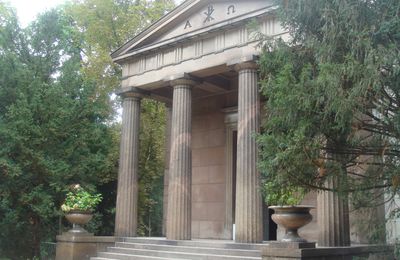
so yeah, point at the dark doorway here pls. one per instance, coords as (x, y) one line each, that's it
(234, 153)
(270, 228)
(273, 227)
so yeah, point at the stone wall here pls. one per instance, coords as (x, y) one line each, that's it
(208, 174)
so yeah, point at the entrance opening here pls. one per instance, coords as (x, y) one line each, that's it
(234, 153)
(273, 227)
(270, 228)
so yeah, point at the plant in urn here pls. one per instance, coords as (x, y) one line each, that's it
(78, 207)
(287, 213)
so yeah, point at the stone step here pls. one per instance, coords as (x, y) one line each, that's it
(189, 249)
(194, 243)
(119, 256)
(127, 254)
(196, 249)
(102, 258)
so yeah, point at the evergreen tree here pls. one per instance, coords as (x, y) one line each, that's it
(54, 131)
(333, 96)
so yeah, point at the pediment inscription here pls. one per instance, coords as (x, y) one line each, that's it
(213, 13)
(208, 13)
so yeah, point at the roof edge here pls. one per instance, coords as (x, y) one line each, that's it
(153, 27)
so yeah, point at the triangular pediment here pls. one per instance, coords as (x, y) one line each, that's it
(191, 18)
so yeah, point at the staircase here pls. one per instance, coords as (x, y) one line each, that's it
(162, 249)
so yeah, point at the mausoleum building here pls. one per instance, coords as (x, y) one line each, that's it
(201, 61)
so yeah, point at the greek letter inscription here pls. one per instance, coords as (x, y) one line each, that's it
(188, 25)
(231, 9)
(208, 13)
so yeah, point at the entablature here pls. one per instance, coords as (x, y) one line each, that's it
(219, 45)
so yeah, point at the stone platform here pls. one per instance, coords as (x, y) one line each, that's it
(72, 246)
(203, 249)
(308, 251)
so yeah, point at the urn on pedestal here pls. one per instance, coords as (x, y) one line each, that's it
(287, 212)
(78, 207)
(78, 218)
(291, 218)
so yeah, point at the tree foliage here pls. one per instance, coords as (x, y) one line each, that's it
(57, 119)
(151, 168)
(54, 131)
(333, 95)
(106, 25)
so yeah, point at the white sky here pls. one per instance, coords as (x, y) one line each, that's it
(27, 10)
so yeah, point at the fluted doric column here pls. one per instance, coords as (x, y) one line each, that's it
(333, 217)
(179, 219)
(248, 217)
(127, 193)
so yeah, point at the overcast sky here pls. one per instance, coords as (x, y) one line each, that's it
(27, 10)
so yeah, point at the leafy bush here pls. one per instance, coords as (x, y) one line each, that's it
(80, 199)
(282, 195)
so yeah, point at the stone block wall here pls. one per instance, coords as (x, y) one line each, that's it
(208, 169)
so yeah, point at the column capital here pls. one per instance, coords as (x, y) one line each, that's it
(186, 81)
(132, 93)
(131, 96)
(248, 65)
(244, 62)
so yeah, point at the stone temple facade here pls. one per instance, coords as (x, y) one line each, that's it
(200, 60)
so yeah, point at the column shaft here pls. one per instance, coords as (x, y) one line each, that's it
(127, 194)
(179, 220)
(333, 217)
(248, 216)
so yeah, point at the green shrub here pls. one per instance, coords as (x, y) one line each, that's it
(80, 199)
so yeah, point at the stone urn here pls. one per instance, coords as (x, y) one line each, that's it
(78, 218)
(291, 218)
